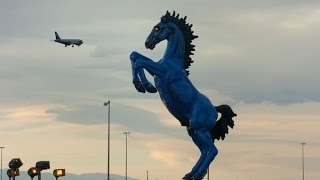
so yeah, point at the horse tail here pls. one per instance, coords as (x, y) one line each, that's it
(221, 128)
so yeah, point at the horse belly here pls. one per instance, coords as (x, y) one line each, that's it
(178, 97)
(183, 96)
(179, 101)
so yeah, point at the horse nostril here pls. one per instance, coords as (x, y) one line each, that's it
(147, 44)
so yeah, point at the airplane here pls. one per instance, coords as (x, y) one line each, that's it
(68, 42)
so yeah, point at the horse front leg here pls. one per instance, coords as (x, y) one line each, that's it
(145, 83)
(139, 79)
(138, 63)
(135, 78)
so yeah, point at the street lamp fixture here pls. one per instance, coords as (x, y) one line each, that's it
(42, 165)
(33, 171)
(14, 166)
(13, 173)
(59, 172)
(15, 163)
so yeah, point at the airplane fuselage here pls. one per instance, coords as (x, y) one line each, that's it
(68, 42)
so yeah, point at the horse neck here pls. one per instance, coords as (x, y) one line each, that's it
(176, 46)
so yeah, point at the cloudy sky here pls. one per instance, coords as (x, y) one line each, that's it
(261, 57)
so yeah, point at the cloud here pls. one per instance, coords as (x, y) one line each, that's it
(163, 150)
(234, 49)
(256, 61)
(127, 117)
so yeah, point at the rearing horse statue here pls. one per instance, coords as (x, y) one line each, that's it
(193, 109)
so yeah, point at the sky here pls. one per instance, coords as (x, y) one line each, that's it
(260, 57)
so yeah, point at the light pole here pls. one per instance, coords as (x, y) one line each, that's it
(108, 104)
(302, 146)
(126, 133)
(147, 175)
(1, 161)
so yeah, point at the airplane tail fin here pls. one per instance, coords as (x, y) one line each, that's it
(57, 35)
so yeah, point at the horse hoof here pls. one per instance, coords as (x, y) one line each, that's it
(188, 176)
(197, 176)
(151, 89)
(142, 90)
(139, 87)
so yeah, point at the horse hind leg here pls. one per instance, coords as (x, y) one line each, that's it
(203, 150)
(205, 140)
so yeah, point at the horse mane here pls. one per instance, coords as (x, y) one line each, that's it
(187, 34)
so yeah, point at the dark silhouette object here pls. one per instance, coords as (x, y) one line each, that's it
(14, 166)
(13, 173)
(221, 128)
(15, 163)
(33, 171)
(67, 42)
(42, 165)
(59, 172)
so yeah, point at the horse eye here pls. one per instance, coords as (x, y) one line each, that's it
(156, 28)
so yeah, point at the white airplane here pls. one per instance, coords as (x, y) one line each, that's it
(68, 42)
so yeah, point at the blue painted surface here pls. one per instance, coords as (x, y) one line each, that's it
(193, 109)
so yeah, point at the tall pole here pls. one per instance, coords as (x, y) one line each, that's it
(147, 175)
(126, 133)
(1, 161)
(302, 146)
(108, 104)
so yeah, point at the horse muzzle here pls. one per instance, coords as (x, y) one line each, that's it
(150, 45)
(151, 42)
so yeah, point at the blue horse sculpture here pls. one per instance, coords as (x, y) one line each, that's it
(193, 109)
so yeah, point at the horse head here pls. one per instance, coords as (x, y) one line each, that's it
(169, 28)
(159, 32)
